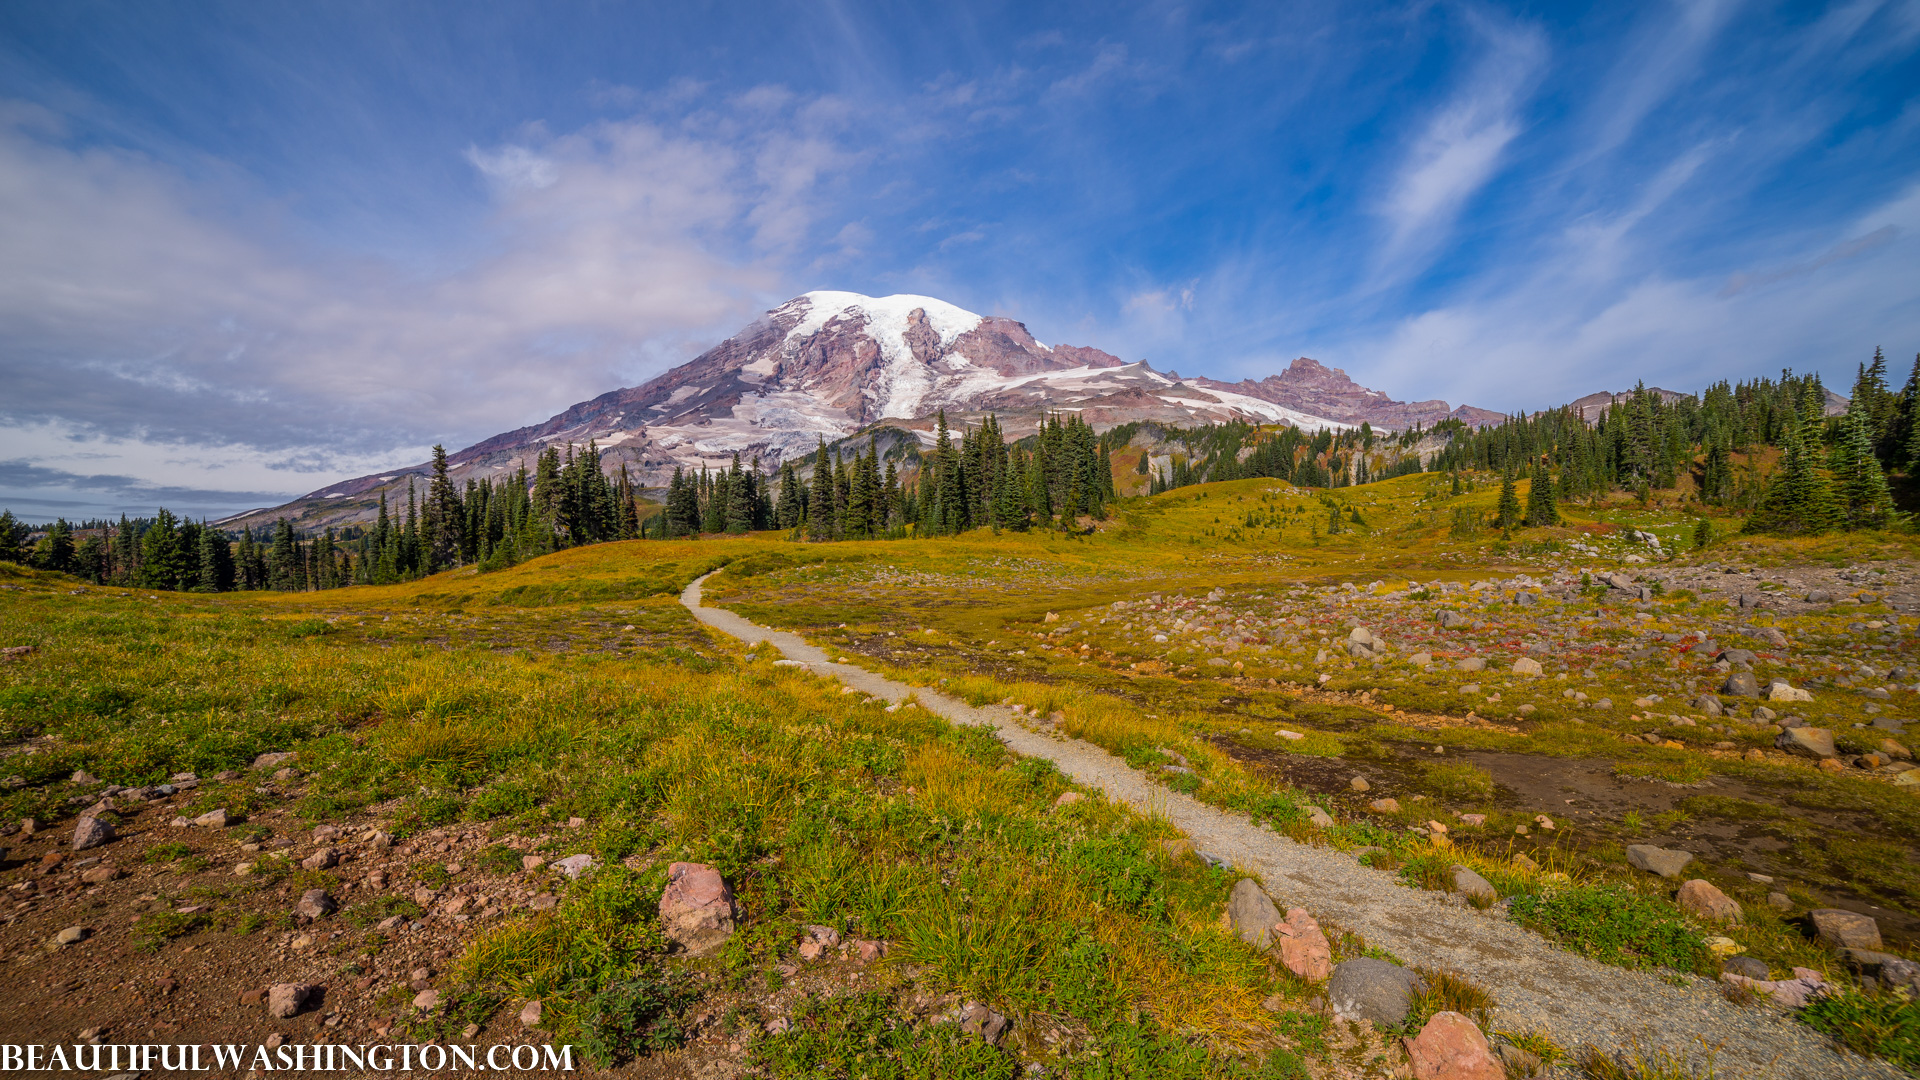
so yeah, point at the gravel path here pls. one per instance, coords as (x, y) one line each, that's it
(1537, 985)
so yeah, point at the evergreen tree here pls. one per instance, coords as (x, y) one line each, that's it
(163, 563)
(1865, 502)
(1541, 508)
(55, 550)
(1799, 500)
(443, 517)
(791, 508)
(820, 496)
(1506, 513)
(10, 533)
(739, 500)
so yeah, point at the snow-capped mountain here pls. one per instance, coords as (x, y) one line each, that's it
(825, 365)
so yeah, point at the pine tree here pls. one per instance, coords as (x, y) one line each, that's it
(1860, 485)
(820, 496)
(790, 509)
(10, 532)
(1541, 509)
(1799, 500)
(739, 500)
(1506, 513)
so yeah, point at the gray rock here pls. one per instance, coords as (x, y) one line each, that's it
(314, 904)
(1744, 965)
(1471, 663)
(72, 935)
(977, 1019)
(1452, 620)
(1738, 657)
(574, 865)
(1663, 861)
(1810, 742)
(1741, 684)
(1845, 929)
(1819, 596)
(90, 832)
(1468, 883)
(1527, 599)
(287, 999)
(1779, 901)
(1369, 989)
(1889, 969)
(1709, 704)
(214, 819)
(1252, 913)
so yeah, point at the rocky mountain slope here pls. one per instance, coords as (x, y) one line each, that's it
(826, 365)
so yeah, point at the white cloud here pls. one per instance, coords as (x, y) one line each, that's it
(1459, 150)
(513, 167)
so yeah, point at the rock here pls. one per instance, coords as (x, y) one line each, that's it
(977, 1019)
(1384, 806)
(100, 875)
(1251, 914)
(1809, 742)
(287, 999)
(1526, 665)
(532, 862)
(90, 832)
(1521, 862)
(1781, 691)
(427, 1000)
(1745, 966)
(323, 859)
(1420, 659)
(1845, 929)
(1319, 818)
(1450, 1047)
(1739, 657)
(1791, 993)
(697, 911)
(1741, 684)
(1369, 989)
(1663, 861)
(1452, 620)
(268, 761)
(1886, 968)
(213, 819)
(1779, 901)
(1471, 663)
(1761, 712)
(1360, 635)
(314, 904)
(1303, 946)
(72, 935)
(1475, 820)
(1068, 798)
(575, 865)
(1519, 1062)
(1359, 783)
(818, 940)
(1705, 902)
(1709, 704)
(530, 1013)
(1896, 750)
(1819, 596)
(1468, 883)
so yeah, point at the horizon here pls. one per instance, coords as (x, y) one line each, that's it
(253, 252)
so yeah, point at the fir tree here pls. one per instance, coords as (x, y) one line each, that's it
(1506, 513)
(1541, 509)
(820, 496)
(10, 533)
(1859, 484)
(1799, 500)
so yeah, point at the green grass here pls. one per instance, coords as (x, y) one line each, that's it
(1885, 1025)
(1616, 925)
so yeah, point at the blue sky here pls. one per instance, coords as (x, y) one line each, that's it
(249, 248)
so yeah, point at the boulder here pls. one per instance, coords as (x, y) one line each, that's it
(1471, 663)
(1450, 1047)
(1374, 990)
(214, 819)
(696, 909)
(1251, 914)
(1894, 749)
(1741, 684)
(1452, 620)
(977, 1019)
(1468, 883)
(1359, 783)
(1303, 946)
(314, 904)
(1819, 596)
(1781, 691)
(1360, 635)
(1809, 742)
(287, 999)
(1526, 665)
(574, 865)
(1420, 659)
(322, 859)
(1384, 806)
(1709, 704)
(1703, 901)
(1663, 861)
(1845, 929)
(90, 832)
(531, 1013)
(1744, 966)
(1739, 657)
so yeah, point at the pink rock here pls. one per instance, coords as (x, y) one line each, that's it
(819, 939)
(696, 909)
(866, 951)
(1473, 819)
(1702, 900)
(1791, 993)
(1450, 1047)
(1303, 946)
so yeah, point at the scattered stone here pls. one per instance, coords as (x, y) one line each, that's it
(72, 935)
(1703, 901)
(1741, 684)
(530, 1013)
(1068, 798)
(1528, 666)
(697, 911)
(1384, 806)
(1845, 929)
(575, 865)
(1811, 742)
(1359, 783)
(1791, 993)
(268, 761)
(532, 862)
(1251, 913)
(213, 819)
(1452, 620)
(427, 1000)
(1450, 1047)
(1320, 818)
(1779, 901)
(323, 859)
(1468, 883)
(1663, 861)
(314, 904)
(1521, 862)
(1304, 948)
(1368, 989)
(977, 1019)
(1896, 750)
(91, 832)
(287, 999)
(1745, 966)
(818, 940)
(1471, 663)
(1709, 704)
(1781, 691)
